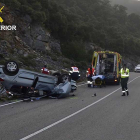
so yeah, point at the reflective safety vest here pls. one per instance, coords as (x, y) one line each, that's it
(90, 72)
(45, 70)
(124, 74)
(74, 69)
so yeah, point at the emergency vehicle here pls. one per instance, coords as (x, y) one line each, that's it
(107, 63)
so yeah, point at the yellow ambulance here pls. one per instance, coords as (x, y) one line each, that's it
(107, 63)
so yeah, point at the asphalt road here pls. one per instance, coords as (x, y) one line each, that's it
(108, 116)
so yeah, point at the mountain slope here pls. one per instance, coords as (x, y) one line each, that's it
(77, 23)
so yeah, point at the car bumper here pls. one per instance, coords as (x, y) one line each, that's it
(111, 80)
(137, 70)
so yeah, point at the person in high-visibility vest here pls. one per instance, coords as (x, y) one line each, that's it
(124, 73)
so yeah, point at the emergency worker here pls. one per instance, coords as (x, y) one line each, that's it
(74, 73)
(45, 70)
(124, 73)
(90, 73)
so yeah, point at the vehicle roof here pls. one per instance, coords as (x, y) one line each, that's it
(110, 52)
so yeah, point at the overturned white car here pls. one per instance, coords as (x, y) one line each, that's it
(30, 84)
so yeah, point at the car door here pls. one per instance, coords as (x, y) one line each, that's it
(24, 79)
(46, 81)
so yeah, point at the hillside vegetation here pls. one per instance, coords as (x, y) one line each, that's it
(76, 22)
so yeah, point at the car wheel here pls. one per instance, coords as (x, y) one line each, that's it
(11, 68)
(56, 74)
(63, 78)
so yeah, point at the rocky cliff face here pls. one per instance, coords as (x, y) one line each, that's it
(30, 45)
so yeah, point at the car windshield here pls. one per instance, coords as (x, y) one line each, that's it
(138, 65)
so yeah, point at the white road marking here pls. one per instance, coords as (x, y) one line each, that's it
(11, 103)
(81, 85)
(79, 111)
(14, 102)
(22, 100)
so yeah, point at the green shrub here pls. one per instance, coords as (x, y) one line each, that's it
(28, 61)
(2, 62)
(54, 57)
(25, 9)
(66, 65)
(1, 56)
(38, 17)
(82, 65)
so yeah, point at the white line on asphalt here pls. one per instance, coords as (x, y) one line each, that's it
(79, 111)
(81, 85)
(11, 103)
(22, 100)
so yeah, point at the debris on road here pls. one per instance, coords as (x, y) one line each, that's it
(94, 95)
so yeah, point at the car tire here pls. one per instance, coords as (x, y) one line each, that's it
(63, 78)
(11, 68)
(56, 74)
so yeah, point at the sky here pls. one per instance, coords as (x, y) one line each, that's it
(133, 6)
